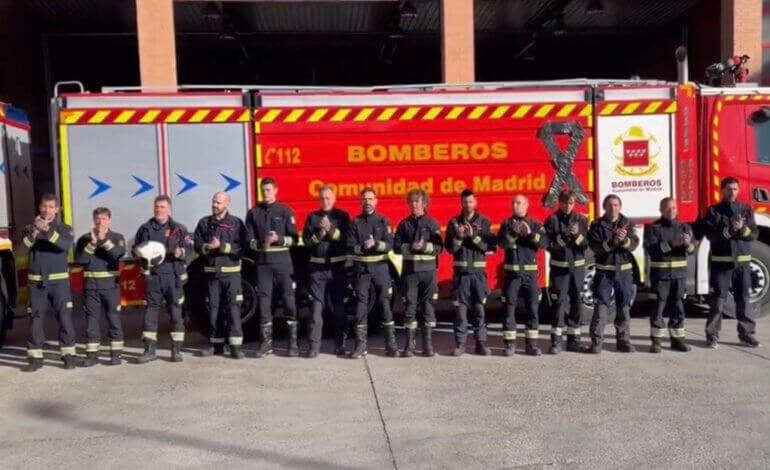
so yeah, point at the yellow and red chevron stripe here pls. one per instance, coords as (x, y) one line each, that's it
(421, 113)
(628, 108)
(754, 98)
(153, 116)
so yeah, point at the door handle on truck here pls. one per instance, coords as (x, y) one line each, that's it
(761, 195)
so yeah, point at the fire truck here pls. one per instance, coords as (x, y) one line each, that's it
(16, 204)
(642, 140)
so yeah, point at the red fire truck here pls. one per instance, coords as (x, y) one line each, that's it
(641, 140)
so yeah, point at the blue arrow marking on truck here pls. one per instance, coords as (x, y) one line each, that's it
(144, 186)
(188, 184)
(2, 168)
(101, 187)
(231, 183)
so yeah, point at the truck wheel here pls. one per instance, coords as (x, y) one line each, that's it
(249, 304)
(587, 294)
(759, 293)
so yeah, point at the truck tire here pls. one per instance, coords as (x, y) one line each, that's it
(759, 294)
(587, 299)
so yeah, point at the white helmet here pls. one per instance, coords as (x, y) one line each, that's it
(151, 254)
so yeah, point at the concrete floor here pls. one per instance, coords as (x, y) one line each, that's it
(704, 409)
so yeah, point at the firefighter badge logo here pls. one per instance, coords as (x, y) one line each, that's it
(636, 151)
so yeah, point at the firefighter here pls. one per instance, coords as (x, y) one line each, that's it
(730, 227)
(418, 238)
(612, 239)
(668, 242)
(325, 231)
(218, 239)
(99, 252)
(567, 233)
(369, 240)
(164, 282)
(469, 239)
(521, 237)
(271, 231)
(48, 242)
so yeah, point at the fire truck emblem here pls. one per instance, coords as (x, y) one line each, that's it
(636, 151)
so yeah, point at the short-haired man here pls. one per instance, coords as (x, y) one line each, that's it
(165, 281)
(469, 239)
(324, 233)
(99, 252)
(521, 237)
(218, 240)
(567, 233)
(418, 239)
(613, 240)
(48, 242)
(730, 227)
(668, 242)
(369, 241)
(271, 230)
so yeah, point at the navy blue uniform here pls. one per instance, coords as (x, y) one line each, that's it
(566, 270)
(470, 287)
(730, 260)
(614, 275)
(49, 284)
(668, 273)
(101, 274)
(166, 281)
(222, 270)
(520, 265)
(327, 271)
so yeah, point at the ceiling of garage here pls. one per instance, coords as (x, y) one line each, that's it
(362, 17)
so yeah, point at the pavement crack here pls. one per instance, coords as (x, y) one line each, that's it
(379, 411)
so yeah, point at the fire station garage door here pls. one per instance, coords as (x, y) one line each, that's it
(115, 166)
(204, 159)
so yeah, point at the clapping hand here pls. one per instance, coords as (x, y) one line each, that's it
(369, 243)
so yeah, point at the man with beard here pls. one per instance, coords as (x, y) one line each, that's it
(218, 240)
(369, 240)
(730, 227)
(469, 238)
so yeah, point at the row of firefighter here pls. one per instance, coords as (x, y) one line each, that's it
(348, 261)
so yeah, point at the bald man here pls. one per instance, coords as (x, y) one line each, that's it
(219, 241)
(521, 237)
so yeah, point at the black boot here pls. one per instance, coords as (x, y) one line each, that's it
(33, 364)
(389, 333)
(655, 345)
(481, 345)
(410, 343)
(70, 362)
(149, 352)
(459, 350)
(679, 344)
(176, 351)
(427, 341)
(236, 352)
(360, 347)
(116, 358)
(530, 347)
(594, 348)
(555, 344)
(293, 349)
(339, 343)
(91, 359)
(624, 346)
(266, 343)
(214, 349)
(510, 348)
(573, 343)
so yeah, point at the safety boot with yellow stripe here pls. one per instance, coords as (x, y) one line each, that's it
(390, 339)
(510, 348)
